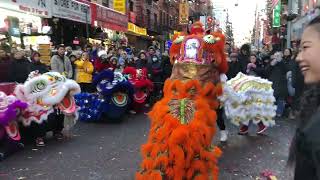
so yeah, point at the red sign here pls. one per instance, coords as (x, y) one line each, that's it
(132, 17)
(108, 18)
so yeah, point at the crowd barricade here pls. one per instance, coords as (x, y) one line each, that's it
(7, 87)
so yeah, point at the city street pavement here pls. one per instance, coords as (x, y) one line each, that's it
(112, 151)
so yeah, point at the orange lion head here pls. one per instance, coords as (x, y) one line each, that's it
(199, 48)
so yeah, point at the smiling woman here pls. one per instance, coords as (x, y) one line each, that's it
(305, 147)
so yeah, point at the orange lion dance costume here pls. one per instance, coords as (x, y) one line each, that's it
(183, 122)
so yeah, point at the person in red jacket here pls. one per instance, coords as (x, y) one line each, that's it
(102, 62)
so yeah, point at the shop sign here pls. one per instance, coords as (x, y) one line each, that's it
(120, 6)
(136, 29)
(71, 9)
(108, 18)
(132, 17)
(176, 32)
(35, 7)
(184, 13)
(276, 15)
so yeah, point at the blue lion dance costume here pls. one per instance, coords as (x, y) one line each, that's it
(111, 102)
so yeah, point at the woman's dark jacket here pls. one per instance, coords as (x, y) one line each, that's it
(307, 156)
(42, 68)
(19, 70)
(277, 75)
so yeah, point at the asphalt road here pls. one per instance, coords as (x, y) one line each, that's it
(112, 151)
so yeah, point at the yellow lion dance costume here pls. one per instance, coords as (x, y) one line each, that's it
(183, 123)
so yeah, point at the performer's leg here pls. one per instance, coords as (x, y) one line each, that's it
(56, 124)
(261, 128)
(8, 147)
(221, 125)
(220, 119)
(280, 106)
(38, 132)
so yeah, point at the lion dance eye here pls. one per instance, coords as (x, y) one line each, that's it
(178, 40)
(39, 86)
(209, 39)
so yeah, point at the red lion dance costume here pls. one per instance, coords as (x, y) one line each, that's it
(183, 122)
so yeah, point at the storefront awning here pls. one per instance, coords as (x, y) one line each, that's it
(108, 18)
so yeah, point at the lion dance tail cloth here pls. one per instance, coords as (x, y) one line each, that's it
(183, 123)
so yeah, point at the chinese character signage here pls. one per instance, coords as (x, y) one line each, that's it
(136, 29)
(276, 15)
(120, 6)
(35, 7)
(72, 10)
(184, 13)
(108, 18)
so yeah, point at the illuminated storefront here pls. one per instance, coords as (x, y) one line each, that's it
(21, 22)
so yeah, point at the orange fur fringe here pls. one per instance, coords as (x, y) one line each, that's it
(176, 151)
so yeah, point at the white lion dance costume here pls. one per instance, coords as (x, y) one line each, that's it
(43, 93)
(249, 98)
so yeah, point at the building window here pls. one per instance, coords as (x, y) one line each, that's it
(155, 20)
(105, 3)
(149, 2)
(161, 18)
(131, 5)
(148, 17)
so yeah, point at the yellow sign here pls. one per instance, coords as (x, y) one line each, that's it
(131, 27)
(45, 52)
(184, 13)
(120, 5)
(176, 32)
(136, 29)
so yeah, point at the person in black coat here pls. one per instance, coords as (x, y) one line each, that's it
(234, 66)
(142, 60)
(244, 57)
(166, 66)
(20, 68)
(276, 72)
(37, 65)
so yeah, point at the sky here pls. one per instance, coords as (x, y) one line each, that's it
(241, 16)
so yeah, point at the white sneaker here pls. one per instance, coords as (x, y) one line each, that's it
(223, 136)
(132, 112)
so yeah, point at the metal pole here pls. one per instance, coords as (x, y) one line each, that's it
(87, 25)
(289, 24)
